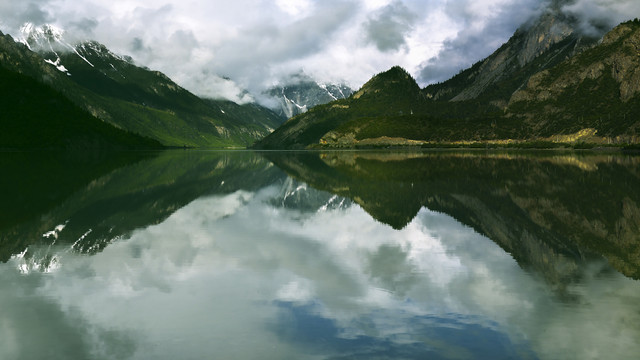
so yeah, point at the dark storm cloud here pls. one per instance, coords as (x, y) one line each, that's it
(137, 44)
(85, 26)
(457, 54)
(474, 42)
(592, 18)
(33, 13)
(597, 17)
(16, 13)
(388, 27)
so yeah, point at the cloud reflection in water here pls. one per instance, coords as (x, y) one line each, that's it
(236, 276)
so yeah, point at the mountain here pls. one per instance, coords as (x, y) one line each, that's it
(136, 99)
(596, 92)
(301, 93)
(391, 93)
(547, 85)
(537, 45)
(35, 116)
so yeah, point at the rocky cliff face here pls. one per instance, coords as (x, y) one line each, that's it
(17, 57)
(549, 39)
(618, 55)
(597, 89)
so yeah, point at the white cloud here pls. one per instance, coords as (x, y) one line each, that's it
(257, 43)
(596, 16)
(295, 7)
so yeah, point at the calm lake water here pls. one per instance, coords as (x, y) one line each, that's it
(310, 255)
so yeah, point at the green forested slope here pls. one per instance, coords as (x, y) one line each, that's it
(138, 100)
(34, 115)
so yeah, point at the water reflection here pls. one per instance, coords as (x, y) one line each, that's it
(87, 203)
(276, 269)
(549, 210)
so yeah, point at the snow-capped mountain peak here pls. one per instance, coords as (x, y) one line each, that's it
(302, 92)
(45, 37)
(52, 43)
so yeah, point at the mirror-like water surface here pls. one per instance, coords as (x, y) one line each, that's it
(338, 255)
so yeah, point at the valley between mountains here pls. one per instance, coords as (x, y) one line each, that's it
(549, 85)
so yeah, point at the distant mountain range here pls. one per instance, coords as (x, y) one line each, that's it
(549, 85)
(302, 92)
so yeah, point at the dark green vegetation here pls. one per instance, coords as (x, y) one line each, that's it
(34, 116)
(139, 100)
(102, 197)
(549, 210)
(148, 102)
(568, 92)
(391, 93)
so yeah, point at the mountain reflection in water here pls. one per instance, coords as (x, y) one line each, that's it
(352, 255)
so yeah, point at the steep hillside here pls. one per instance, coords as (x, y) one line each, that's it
(598, 90)
(35, 116)
(136, 89)
(536, 46)
(390, 93)
(251, 115)
(136, 99)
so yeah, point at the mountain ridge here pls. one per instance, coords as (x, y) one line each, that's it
(309, 127)
(135, 99)
(495, 111)
(552, 36)
(301, 92)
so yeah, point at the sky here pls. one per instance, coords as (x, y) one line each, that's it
(219, 48)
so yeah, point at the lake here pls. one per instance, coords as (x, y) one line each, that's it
(320, 255)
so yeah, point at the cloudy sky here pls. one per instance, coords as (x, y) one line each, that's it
(259, 43)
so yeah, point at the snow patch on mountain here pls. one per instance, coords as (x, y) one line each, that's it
(58, 65)
(301, 92)
(51, 41)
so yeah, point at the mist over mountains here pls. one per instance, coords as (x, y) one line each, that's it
(549, 84)
(221, 49)
(118, 90)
